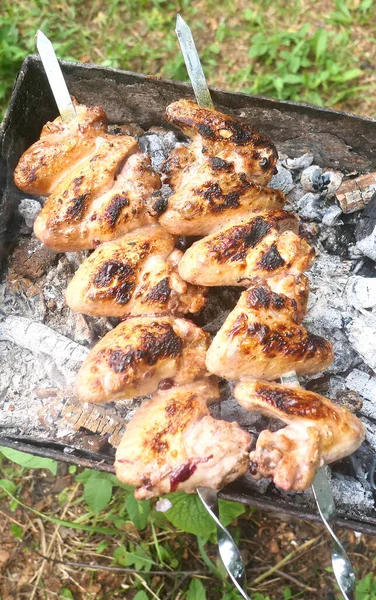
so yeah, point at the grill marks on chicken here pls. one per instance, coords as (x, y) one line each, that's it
(262, 245)
(172, 443)
(58, 151)
(213, 195)
(318, 432)
(98, 201)
(261, 338)
(219, 135)
(136, 274)
(140, 353)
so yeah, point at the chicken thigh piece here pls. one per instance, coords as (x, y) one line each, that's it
(140, 353)
(213, 196)
(61, 147)
(263, 244)
(218, 134)
(58, 223)
(172, 443)
(318, 432)
(261, 339)
(136, 274)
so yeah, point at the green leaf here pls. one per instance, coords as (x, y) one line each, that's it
(8, 485)
(320, 41)
(138, 511)
(196, 590)
(137, 558)
(228, 511)
(141, 595)
(66, 593)
(29, 461)
(188, 514)
(102, 547)
(16, 531)
(97, 493)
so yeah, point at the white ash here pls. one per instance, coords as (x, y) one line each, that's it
(331, 215)
(367, 245)
(27, 300)
(282, 180)
(348, 493)
(311, 180)
(298, 163)
(363, 383)
(29, 210)
(361, 332)
(361, 292)
(331, 182)
(158, 143)
(61, 357)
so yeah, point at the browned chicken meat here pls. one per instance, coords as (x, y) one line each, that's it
(259, 245)
(216, 134)
(318, 432)
(103, 198)
(215, 194)
(136, 274)
(172, 443)
(61, 147)
(261, 339)
(138, 355)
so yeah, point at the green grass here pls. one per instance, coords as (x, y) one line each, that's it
(281, 49)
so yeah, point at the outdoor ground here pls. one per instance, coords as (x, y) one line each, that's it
(50, 546)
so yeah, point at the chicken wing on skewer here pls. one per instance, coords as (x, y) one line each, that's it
(318, 432)
(136, 274)
(259, 245)
(261, 339)
(216, 134)
(135, 357)
(61, 147)
(172, 443)
(103, 198)
(214, 195)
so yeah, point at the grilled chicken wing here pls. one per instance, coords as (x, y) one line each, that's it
(61, 147)
(318, 432)
(97, 202)
(172, 443)
(261, 339)
(136, 356)
(215, 194)
(223, 136)
(259, 245)
(136, 274)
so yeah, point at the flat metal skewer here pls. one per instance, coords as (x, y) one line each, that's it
(342, 567)
(55, 78)
(228, 550)
(341, 563)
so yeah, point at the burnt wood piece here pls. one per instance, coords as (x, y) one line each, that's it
(337, 141)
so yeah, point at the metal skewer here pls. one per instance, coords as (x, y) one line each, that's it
(341, 563)
(55, 78)
(228, 550)
(342, 567)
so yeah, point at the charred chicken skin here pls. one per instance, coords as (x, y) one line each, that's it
(172, 443)
(61, 147)
(261, 339)
(262, 245)
(138, 355)
(136, 274)
(318, 432)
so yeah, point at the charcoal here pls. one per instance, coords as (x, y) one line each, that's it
(364, 384)
(299, 163)
(331, 182)
(361, 332)
(32, 259)
(311, 179)
(282, 180)
(338, 240)
(331, 215)
(29, 210)
(349, 492)
(367, 245)
(310, 207)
